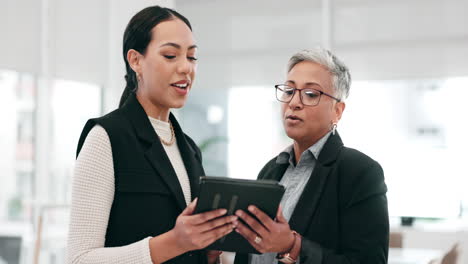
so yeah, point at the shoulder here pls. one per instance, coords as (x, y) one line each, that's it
(96, 148)
(101, 126)
(360, 176)
(113, 120)
(269, 167)
(104, 121)
(355, 160)
(97, 133)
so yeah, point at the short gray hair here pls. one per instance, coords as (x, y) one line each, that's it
(339, 71)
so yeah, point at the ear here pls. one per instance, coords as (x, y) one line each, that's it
(134, 60)
(338, 109)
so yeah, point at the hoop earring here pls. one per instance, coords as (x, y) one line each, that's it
(334, 125)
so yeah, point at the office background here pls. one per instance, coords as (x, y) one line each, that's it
(61, 63)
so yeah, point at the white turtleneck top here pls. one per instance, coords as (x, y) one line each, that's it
(92, 196)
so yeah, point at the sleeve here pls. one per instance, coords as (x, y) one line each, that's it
(92, 196)
(364, 225)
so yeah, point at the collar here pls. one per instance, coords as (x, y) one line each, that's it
(287, 155)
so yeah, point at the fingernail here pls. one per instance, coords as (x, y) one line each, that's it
(239, 213)
(251, 208)
(233, 218)
(235, 223)
(223, 211)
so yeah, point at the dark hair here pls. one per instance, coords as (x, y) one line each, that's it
(137, 36)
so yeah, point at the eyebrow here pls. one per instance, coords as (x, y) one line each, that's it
(307, 83)
(177, 46)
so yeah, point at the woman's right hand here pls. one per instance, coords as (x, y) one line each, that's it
(198, 231)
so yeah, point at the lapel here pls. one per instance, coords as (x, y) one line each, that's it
(154, 151)
(310, 197)
(192, 160)
(276, 172)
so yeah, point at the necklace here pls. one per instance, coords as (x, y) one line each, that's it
(170, 142)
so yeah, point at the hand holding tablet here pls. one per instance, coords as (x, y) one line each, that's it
(234, 194)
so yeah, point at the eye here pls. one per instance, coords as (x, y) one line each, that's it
(192, 58)
(170, 57)
(288, 91)
(311, 94)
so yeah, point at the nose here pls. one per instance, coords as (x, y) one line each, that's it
(185, 66)
(296, 102)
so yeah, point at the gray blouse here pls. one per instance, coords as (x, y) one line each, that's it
(294, 180)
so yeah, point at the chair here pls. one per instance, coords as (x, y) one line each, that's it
(51, 233)
(396, 240)
(450, 257)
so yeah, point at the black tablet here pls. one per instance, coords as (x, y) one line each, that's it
(233, 194)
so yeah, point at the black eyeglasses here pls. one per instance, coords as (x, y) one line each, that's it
(308, 96)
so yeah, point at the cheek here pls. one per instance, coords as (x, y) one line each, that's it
(317, 116)
(283, 110)
(193, 73)
(194, 69)
(160, 70)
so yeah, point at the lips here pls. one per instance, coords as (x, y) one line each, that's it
(293, 117)
(182, 84)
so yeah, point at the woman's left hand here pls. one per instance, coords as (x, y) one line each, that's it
(267, 235)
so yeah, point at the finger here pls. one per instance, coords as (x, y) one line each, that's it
(217, 233)
(213, 224)
(280, 216)
(253, 223)
(190, 208)
(214, 253)
(249, 235)
(262, 217)
(207, 216)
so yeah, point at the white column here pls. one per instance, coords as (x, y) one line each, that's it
(43, 109)
(327, 24)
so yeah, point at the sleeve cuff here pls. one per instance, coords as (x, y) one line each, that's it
(146, 251)
(311, 252)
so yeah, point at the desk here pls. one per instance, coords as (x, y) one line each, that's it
(413, 255)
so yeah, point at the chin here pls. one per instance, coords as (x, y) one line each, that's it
(292, 133)
(178, 104)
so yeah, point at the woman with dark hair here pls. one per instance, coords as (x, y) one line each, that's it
(136, 171)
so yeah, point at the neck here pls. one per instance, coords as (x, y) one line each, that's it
(301, 145)
(298, 150)
(152, 110)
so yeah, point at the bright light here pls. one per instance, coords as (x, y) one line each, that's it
(215, 114)
(252, 130)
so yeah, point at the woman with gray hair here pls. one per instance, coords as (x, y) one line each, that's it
(335, 208)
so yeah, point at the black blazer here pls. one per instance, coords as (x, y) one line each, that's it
(342, 213)
(148, 197)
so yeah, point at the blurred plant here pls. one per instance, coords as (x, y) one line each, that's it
(15, 206)
(205, 144)
(213, 161)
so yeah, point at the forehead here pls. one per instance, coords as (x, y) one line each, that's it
(309, 72)
(174, 31)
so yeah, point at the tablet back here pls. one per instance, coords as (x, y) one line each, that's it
(233, 194)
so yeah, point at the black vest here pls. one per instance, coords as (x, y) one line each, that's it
(148, 196)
